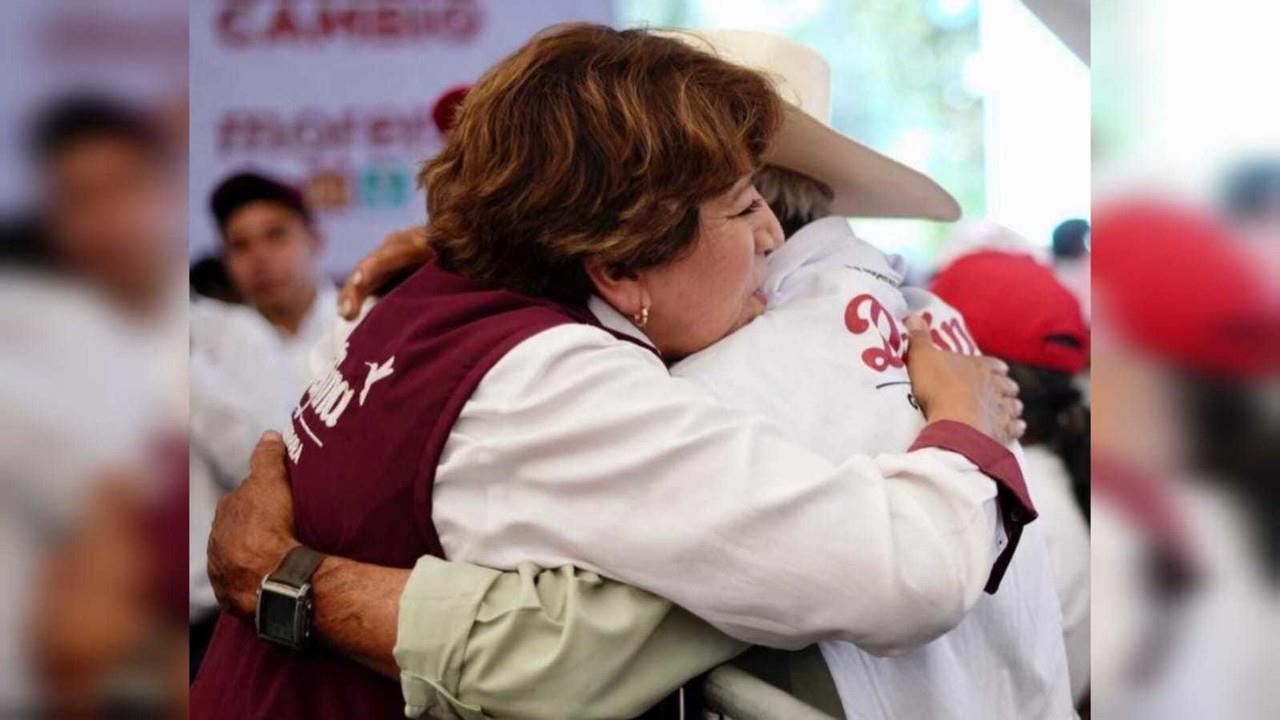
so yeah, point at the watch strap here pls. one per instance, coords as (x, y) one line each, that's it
(297, 567)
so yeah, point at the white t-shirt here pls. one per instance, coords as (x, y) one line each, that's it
(245, 378)
(1067, 536)
(832, 341)
(85, 392)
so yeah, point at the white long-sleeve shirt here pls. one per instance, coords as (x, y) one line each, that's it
(825, 364)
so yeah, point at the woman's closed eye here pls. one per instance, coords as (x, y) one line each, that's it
(754, 206)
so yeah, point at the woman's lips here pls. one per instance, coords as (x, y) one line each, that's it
(760, 296)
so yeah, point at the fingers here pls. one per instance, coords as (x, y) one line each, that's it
(1011, 427)
(1000, 377)
(1013, 431)
(399, 251)
(1005, 385)
(916, 324)
(917, 335)
(357, 287)
(268, 456)
(1019, 428)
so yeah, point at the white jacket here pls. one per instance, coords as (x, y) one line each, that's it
(831, 343)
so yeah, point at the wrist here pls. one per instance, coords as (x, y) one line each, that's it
(955, 415)
(266, 559)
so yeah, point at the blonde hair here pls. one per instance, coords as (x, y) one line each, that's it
(792, 196)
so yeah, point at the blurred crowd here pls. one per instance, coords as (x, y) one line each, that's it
(1154, 420)
(95, 415)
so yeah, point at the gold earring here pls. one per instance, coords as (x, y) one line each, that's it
(642, 318)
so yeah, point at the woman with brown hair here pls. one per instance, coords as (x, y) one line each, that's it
(593, 219)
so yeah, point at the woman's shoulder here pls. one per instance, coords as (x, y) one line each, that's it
(580, 347)
(570, 365)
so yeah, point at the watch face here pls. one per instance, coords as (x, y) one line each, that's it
(275, 616)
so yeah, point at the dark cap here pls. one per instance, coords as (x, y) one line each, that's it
(243, 188)
(75, 118)
(1253, 189)
(1070, 239)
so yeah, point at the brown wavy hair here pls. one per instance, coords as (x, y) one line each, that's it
(591, 143)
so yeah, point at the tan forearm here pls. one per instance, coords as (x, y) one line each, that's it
(356, 611)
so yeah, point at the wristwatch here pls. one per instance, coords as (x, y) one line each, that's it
(283, 615)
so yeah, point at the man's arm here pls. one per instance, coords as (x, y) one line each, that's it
(537, 643)
(528, 643)
(355, 603)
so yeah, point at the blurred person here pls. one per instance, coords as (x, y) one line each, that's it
(1241, 424)
(271, 248)
(1071, 259)
(241, 383)
(1043, 337)
(1071, 240)
(1251, 198)
(1176, 568)
(1250, 202)
(24, 244)
(977, 235)
(110, 210)
(732, 371)
(209, 278)
(93, 401)
(248, 362)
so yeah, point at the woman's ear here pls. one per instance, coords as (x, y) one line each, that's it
(623, 290)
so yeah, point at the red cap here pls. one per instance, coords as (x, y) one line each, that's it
(1175, 283)
(1016, 309)
(445, 111)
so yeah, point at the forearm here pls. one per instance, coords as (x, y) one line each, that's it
(356, 611)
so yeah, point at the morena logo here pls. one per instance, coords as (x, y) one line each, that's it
(311, 24)
(377, 186)
(310, 130)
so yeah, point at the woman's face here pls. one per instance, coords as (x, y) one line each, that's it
(713, 289)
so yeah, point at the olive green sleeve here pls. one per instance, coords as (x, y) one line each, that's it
(475, 642)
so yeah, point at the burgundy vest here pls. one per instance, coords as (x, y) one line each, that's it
(364, 444)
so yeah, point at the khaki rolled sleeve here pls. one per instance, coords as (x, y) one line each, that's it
(437, 610)
(475, 642)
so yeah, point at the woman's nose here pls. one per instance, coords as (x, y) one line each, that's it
(769, 237)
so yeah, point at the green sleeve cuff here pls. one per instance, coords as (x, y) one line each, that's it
(537, 643)
(437, 611)
(426, 698)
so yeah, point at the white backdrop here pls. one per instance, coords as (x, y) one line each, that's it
(336, 96)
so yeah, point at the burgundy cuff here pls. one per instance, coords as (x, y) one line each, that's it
(997, 463)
